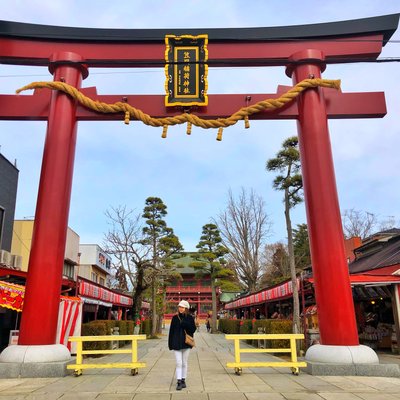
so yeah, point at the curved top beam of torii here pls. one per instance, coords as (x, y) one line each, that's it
(30, 44)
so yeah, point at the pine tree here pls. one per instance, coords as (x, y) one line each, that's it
(163, 244)
(211, 261)
(287, 162)
(301, 245)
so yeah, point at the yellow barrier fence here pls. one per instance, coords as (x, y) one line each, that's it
(134, 365)
(293, 364)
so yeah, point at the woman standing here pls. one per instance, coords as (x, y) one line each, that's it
(181, 322)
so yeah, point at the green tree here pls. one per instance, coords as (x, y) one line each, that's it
(287, 162)
(163, 245)
(301, 245)
(211, 261)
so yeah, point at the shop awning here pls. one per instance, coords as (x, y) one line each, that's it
(362, 279)
(92, 291)
(279, 292)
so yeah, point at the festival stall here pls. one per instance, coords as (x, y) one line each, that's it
(69, 315)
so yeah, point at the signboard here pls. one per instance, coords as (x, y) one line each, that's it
(186, 70)
(13, 339)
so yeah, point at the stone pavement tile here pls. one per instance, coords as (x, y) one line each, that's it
(80, 396)
(218, 383)
(211, 367)
(205, 357)
(124, 384)
(250, 383)
(62, 385)
(155, 383)
(153, 396)
(225, 396)
(339, 396)
(347, 384)
(388, 385)
(43, 396)
(282, 383)
(18, 390)
(315, 383)
(38, 381)
(378, 396)
(301, 396)
(29, 385)
(115, 396)
(93, 383)
(267, 370)
(8, 383)
(255, 389)
(26, 386)
(192, 396)
(264, 396)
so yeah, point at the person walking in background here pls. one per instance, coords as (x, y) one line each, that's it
(193, 313)
(208, 322)
(182, 322)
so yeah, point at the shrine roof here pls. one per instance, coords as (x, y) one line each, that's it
(183, 263)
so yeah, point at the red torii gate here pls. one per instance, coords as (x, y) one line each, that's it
(303, 50)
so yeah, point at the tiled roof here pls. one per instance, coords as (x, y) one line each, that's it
(389, 254)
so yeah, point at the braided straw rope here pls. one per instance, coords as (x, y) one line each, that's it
(191, 119)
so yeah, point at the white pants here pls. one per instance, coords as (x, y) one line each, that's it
(181, 357)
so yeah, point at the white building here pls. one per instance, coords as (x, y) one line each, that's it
(94, 264)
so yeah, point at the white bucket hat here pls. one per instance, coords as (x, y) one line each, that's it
(184, 303)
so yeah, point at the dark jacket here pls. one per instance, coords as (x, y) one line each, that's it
(179, 324)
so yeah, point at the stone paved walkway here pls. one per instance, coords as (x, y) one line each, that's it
(208, 379)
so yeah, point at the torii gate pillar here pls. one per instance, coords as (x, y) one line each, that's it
(340, 342)
(37, 334)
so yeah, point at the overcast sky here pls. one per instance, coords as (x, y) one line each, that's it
(117, 164)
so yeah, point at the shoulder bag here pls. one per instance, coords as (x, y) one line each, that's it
(189, 340)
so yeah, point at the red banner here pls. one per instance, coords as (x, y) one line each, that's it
(12, 296)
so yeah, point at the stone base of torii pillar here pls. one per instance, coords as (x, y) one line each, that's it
(35, 361)
(347, 360)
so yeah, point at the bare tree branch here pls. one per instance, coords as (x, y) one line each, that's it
(244, 227)
(124, 241)
(358, 223)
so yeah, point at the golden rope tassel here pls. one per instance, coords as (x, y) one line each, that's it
(219, 135)
(189, 128)
(246, 122)
(127, 117)
(164, 131)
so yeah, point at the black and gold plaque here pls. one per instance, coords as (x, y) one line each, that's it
(186, 70)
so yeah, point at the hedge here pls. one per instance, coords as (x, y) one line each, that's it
(246, 326)
(145, 327)
(105, 327)
(271, 326)
(95, 328)
(231, 326)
